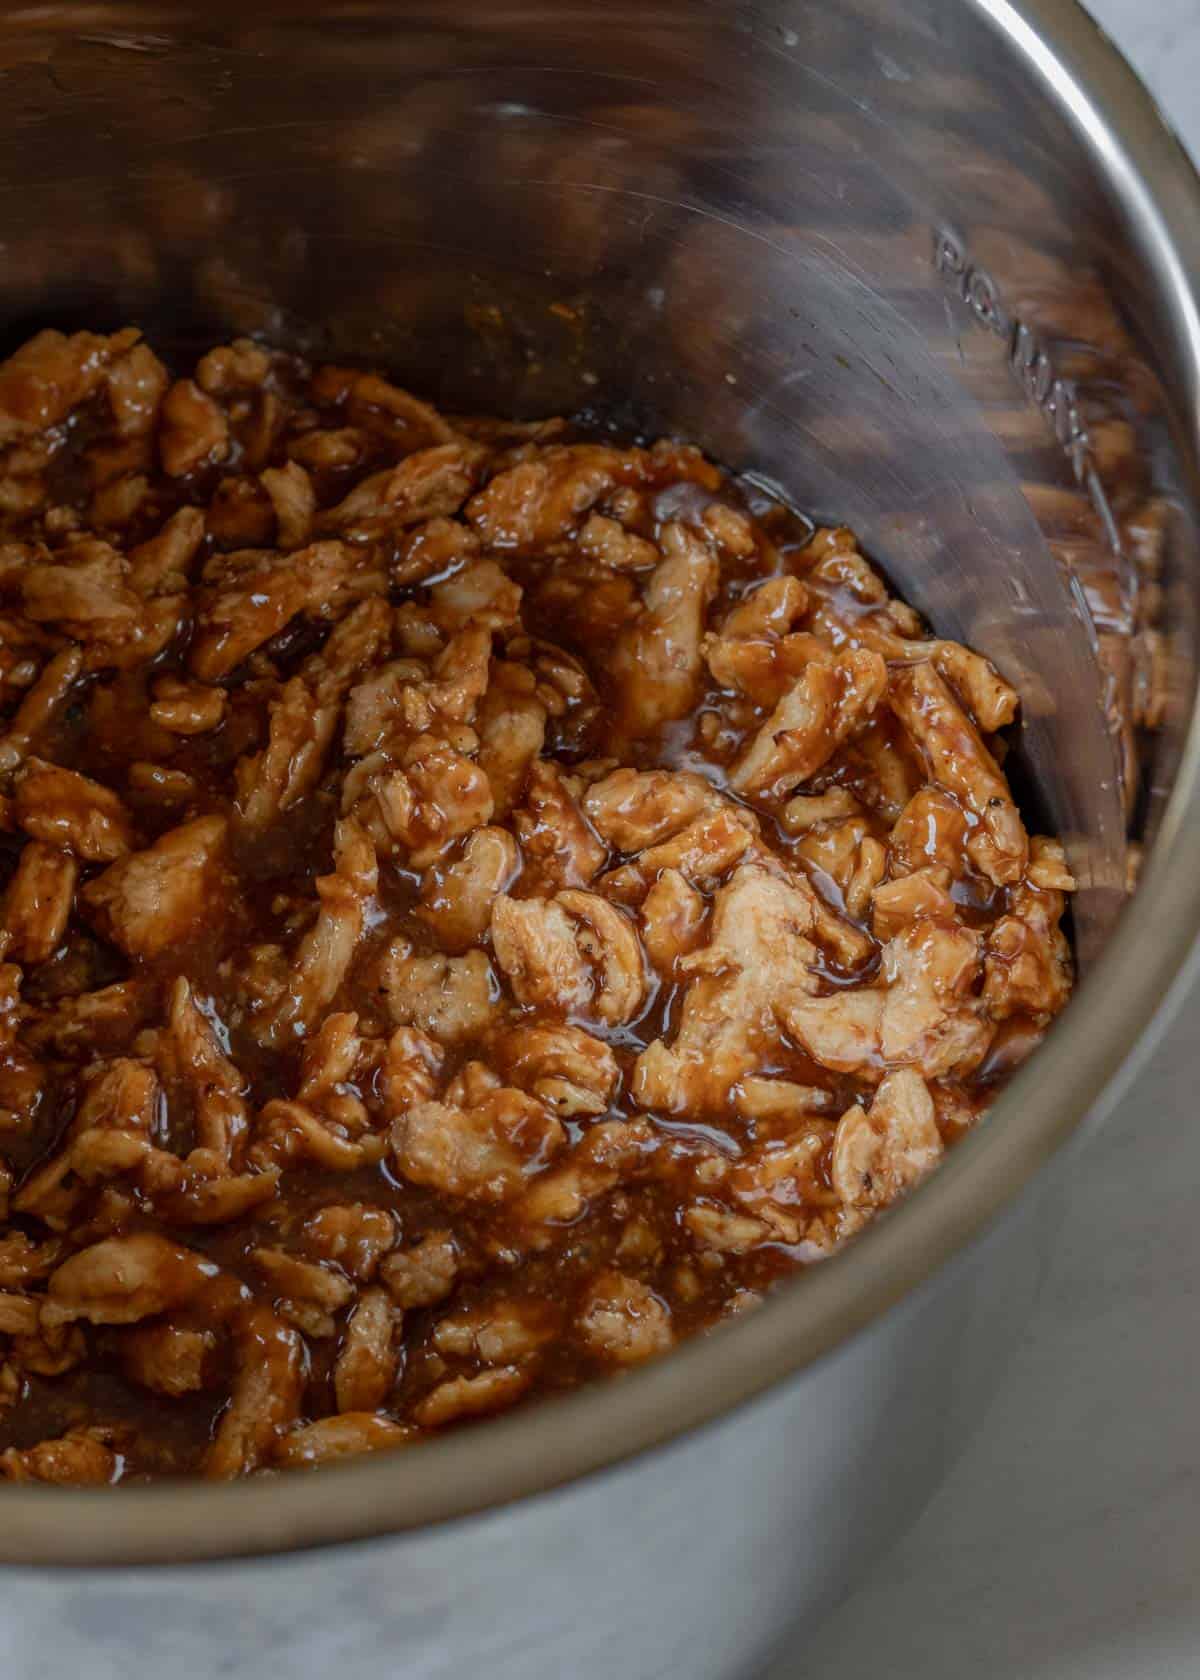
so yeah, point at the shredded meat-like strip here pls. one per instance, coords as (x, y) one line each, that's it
(479, 905)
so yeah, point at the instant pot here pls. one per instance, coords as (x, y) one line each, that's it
(924, 267)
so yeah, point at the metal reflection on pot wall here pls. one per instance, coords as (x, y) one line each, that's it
(711, 218)
(1113, 570)
(1033, 365)
(546, 239)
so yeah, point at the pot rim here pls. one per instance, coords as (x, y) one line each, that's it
(531, 1452)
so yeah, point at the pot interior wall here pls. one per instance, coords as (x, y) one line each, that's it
(798, 233)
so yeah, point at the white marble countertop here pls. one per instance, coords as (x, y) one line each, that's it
(1065, 1544)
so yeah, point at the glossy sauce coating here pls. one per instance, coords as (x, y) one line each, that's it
(482, 904)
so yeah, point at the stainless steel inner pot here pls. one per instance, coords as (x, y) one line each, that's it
(927, 265)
